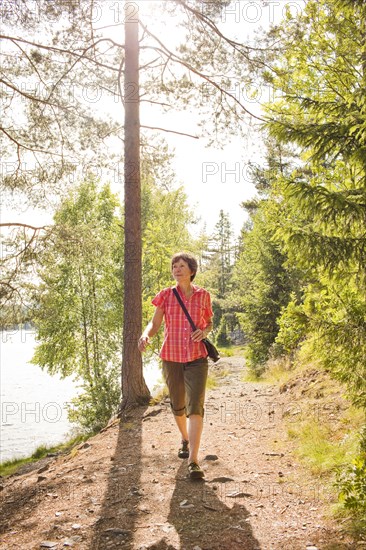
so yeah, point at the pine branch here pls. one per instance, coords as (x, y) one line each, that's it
(176, 59)
(169, 131)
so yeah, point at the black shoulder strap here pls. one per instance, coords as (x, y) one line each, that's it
(184, 309)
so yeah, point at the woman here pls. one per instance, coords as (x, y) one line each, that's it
(183, 355)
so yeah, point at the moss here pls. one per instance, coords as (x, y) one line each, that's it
(12, 466)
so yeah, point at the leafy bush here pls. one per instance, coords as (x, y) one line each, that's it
(351, 484)
(92, 409)
(293, 324)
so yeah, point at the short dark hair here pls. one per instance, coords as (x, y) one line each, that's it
(186, 257)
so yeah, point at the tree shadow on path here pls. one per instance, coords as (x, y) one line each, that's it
(115, 526)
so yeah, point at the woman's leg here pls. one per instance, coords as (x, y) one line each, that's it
(187, 385)
(173, 374)
(195, 426)
(195, 377)
(181, 422)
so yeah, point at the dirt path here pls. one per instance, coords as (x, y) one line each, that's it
(126, 487)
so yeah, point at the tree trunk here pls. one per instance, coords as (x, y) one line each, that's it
(134, 389)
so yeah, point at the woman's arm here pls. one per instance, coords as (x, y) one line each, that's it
(151, 329)
(200, 334)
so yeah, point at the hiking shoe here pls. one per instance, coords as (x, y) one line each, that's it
(195, 471)
(183, 451)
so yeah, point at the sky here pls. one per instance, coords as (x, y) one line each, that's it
(214, 179)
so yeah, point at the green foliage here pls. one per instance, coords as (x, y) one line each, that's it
(321, 77)
(226, 351)
(293, 326)
(165, 221)
(222, 338)
(211, 382)
(263, 279)
(92, 409)
(79, 301)
(351, 482)
(325, 218)
(320, 74)
(319, 81)
(337, 322)
(220, 258)
(262, 286)
(279, 370)
(61, 126)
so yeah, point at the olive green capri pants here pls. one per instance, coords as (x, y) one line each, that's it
(187, 384)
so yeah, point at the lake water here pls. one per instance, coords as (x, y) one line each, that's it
(33, 403)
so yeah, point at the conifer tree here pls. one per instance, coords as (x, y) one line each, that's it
(321, 77)
(262, 279)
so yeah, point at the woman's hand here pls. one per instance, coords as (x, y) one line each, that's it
(151, 329)
(198, 335)
(143, 343)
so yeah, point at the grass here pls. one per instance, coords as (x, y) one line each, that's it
(160, 396)
(320, 449)
(211, 382)
(226, 351)
(231, 350)
(279, 371)
(250, 376)
(11, 466)
(325, 451)
(327, 430)
(323, 444)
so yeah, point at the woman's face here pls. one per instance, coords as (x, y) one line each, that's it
(181, 271)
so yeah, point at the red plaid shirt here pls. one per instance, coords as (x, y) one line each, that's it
(178, 345)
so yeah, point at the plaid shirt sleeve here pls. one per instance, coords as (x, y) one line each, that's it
(159, 299)
(208, 313)
(178, 345)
